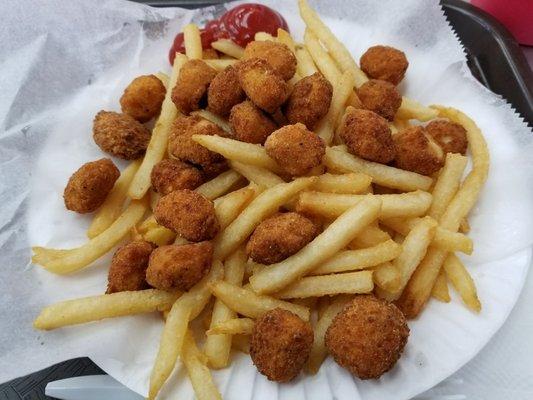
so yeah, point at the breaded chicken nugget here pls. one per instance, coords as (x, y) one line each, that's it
(367, 337)
(279, 237)
(189, 214)
(182, 147)
(367, 135)
(382, 97)
(128, 267)
(191, 87)
(143, 97)
(278, 55)
(309, 101)
(280, 344)
(89, 186)
(120, 135)
(385, 63)
(179, 266)
(170, 175)
(450, 136)
(250, 124)
(262, 84)
(416, 151)
(224, 92)
(296, 149)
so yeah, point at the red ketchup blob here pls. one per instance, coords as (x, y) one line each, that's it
(239, 24)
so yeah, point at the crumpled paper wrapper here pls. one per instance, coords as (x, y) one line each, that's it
(62, 62)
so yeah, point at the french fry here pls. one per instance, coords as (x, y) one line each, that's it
(158, 142)
(220, 185)
(414, 248)
(412, 109)
(185, 309)
(342, 89)
(160, 236)
(447, 184)
(260, 176)
(262, 36)
(218, 346)
(235, 150)
(234, 326)
(250, 304)
(217, 120)
(351, 183)
(318, 350)
(351, 260)
(335, 237)
(285, 38)
(82, 256)
(228, 47)
(321, 58)
(306, 65)
(339, 159)
(462, 282)
(328, 285)
(192, 41)
(443, 239)
(331, 205)
(464, 226)
(96, 308)
(112, 207)
(228, 207)
(372, 235)
(164, 78)
(261, 207)
(199, 374)
(220, 64)
(440, 289)
(386, 277)
(334, 46)
(241, 343)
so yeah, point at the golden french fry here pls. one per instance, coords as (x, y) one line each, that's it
(218, 346)
(228, 207)
(328, 285)
(440, 289)
(260, 176)
(350, 260)
(443, 239)
(220, 185)
(462, 282)
(185, 309)
(235, 150)
(262, 36)
(192, 41)
(261, 207)
(160, 236)
(331, 205)
(285, 38)
(464, 227)
(220, 64)
(412, 109)
(335, 237)
(80, 257)
(321, 58)
(386, 277)
(241, 343)
(164, 78)
(217, 120)
(234, 326)
(158, 142)
(247, 303)
(447, 184)
(414, 248)
(342, 89)
(228, 47)
(335, 47)
(372, 235)
(351, 183)
(306, 65)
(339, 159)
(114, 202)
(318, 350)
(95, 308)
(199, 374)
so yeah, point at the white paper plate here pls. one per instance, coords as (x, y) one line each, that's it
(443, 339)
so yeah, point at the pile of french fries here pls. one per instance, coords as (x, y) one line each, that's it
(401, 245)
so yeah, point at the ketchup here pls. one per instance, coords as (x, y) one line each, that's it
(239, 24)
